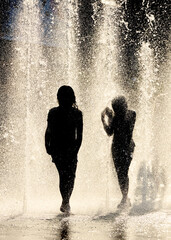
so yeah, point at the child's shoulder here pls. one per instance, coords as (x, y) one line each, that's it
(53, 110)
(131, 114)
(77, 111)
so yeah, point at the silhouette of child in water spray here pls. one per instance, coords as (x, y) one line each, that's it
(120, 124)
(63, 139)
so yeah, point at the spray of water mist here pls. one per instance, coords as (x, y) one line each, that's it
(149, 165)
(45, 56)
(26, 83)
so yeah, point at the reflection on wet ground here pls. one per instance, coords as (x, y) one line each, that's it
(117, 225)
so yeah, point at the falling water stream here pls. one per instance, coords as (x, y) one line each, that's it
(45, 55)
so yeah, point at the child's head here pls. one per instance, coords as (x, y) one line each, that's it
(66, 96)
(119, 105)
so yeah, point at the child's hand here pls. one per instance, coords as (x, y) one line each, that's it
(103, 115)
(109, 112)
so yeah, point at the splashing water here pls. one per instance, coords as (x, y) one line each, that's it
(45, 55)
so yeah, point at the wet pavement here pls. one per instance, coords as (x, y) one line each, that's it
(115, 226)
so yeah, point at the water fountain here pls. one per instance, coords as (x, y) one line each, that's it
(47, 51)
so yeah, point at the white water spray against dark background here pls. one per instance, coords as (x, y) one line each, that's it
(45, 54)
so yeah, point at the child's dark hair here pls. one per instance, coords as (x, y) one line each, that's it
(66, 96)
(119, 105)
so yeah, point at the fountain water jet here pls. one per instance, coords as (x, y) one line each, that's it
(149, 165)
(38, 68)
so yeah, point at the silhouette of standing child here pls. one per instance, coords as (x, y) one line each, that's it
(63, 139)
(120, 123)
